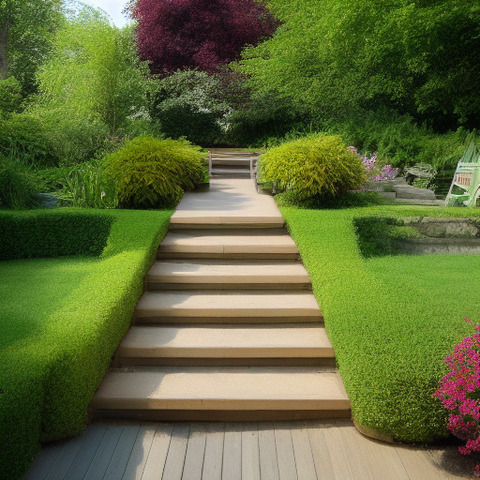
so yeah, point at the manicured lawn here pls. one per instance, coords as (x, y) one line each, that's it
(61, 320)
(391, 319)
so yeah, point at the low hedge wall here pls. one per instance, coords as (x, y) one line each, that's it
(392, 320)
(49, 378)
(52, 233)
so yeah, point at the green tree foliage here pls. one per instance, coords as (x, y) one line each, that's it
(10, 96)
(313, 165)
(335, 56)
(94, 72)
(27, 31)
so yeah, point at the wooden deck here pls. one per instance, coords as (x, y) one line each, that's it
(331, 450)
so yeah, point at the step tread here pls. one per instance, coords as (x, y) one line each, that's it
(226, 342)
(242, 273)
(221, 304)
(222, 388)
(215, 243)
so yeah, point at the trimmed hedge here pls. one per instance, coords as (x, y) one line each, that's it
(51, 371)
(392, 320)
(45, 234)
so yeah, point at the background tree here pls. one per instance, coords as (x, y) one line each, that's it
(187, 34)
(27, 29)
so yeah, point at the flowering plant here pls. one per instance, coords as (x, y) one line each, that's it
(373, 170)
(459, 392)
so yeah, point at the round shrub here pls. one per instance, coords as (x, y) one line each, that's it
(151, 173)
(313, 165)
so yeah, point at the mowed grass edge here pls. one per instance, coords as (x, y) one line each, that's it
(391, 320)
(48, 379)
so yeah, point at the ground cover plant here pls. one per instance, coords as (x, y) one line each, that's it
(392, 320)
(61, 320)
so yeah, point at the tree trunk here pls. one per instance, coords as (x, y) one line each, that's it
(3, 50)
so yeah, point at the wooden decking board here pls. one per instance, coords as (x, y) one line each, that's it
(232, 452)
(104, 453)
(213, 459)
(321, 457)
(357, 460)
(339, 454)
(268, 453)
(139, 453)
(250, 452)
(286, 459)
(83, 459)
(176, 453)
(155, 462)
(303, 455)
(44, 462)
(416, 464)
(195, 453)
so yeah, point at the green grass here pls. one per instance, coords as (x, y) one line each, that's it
(391, 320)
(61, 320)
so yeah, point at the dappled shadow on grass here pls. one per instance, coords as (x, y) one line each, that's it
(32, 290)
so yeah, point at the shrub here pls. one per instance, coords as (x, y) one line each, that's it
(152, 173)
(312, 165)
(18, 188)
(10, 96)
(52, 234)
(459, 392)
(25, 137)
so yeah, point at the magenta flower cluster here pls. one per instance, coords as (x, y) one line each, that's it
(459, 392)
(372, 169)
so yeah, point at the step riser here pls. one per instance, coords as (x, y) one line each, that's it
(121, 362)
(225, 320)
(158, 285)
(233, 256)
(223, 416)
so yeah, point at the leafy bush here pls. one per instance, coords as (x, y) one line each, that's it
(18, 188)
(52, 234)
(459, 392)
(313, 165)
(25, 137)
(10, 96)
(152, 173)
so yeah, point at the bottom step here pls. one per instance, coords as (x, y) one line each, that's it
(222, 393)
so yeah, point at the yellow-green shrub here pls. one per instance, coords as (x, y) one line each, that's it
(313, 165)
(151, 173)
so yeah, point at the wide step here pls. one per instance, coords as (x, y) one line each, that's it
(217, 342)
(229, 307)
(234, 274)
(306, 392)
(226, 245)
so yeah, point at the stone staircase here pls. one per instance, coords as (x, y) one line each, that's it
(228, 328)
(227, 164)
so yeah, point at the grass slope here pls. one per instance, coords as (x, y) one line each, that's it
(63, 319)
(391, 320)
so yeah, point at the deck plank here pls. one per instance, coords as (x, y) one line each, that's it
(139, 454)
(286, 460)
(250, 452)
(157, 455)
(268, 452)
(195, 453)
(84, 458)
(356, 459)
(104, 454)
(416, 464)
(303, 454)
(339, 454)
(44, 462)
(212, 463)
(120, 457)
(176, 453)
(232, 453)
(321, 456)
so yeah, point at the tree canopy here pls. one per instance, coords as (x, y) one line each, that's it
(334, 56)
(186, 34)
(27, 29)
